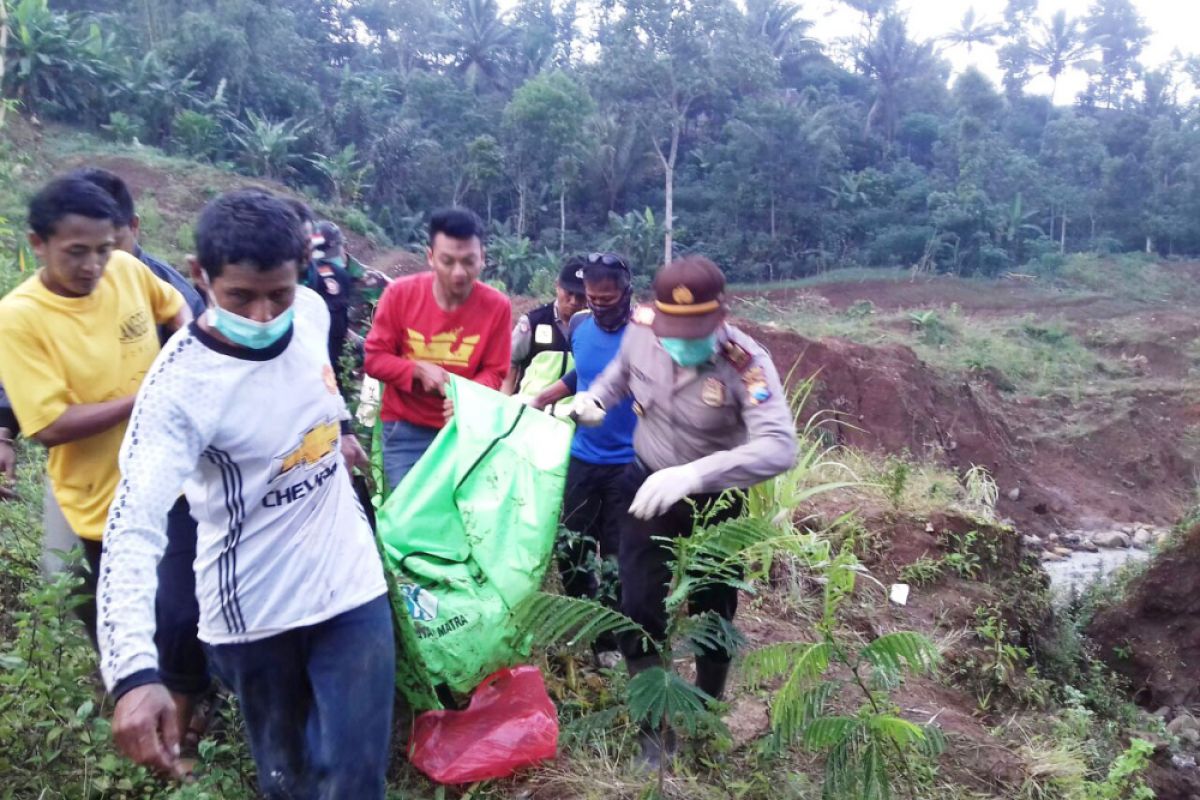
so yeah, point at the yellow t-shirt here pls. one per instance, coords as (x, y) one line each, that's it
(56, 352)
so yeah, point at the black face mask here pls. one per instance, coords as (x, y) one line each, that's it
(613, 318)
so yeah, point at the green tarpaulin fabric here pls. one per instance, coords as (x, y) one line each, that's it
(467, 535)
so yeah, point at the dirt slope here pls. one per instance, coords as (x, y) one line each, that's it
(1119, 448)
(1153, 636)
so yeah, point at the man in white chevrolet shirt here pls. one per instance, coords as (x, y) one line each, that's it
(242, 412)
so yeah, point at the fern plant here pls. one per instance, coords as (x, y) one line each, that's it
(864, 751)
(735, 552)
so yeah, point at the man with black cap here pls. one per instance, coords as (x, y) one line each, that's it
(713, 416)
(541, 344)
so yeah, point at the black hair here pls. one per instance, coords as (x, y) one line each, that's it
(117, 189)
(457, 223)
(252, 227)
(64, 196)
(601, 267)
(574, 263)
(301, 210)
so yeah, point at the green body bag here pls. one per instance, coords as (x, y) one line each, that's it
(467, 535)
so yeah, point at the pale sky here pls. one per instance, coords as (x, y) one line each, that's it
(1173, 24)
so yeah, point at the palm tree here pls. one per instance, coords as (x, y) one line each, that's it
(972, 31)
(478, 41)
(780, 24)
(1058, 45)
(892, 59)
(870, 9)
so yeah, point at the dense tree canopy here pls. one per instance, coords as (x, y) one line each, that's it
(694, 124)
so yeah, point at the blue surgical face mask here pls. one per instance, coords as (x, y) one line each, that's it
(247, 332)
(690, 352)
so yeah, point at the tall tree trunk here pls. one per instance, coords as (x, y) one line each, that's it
(772, 214)
(667, 160)
(521, 193)
(1062, 244)
(562, 219)
(489, 206)
(1149, 244)
(668, 218)
(151, 27)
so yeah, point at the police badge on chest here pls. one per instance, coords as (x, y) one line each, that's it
(712, 393)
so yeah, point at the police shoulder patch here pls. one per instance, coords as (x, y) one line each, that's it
(757, 390)
(643, 315)
(736, 355)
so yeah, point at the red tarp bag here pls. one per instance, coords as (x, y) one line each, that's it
(510, 723)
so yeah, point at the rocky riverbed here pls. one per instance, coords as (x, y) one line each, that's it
(1076, 559)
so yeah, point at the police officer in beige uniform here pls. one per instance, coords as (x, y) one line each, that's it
(712, 416)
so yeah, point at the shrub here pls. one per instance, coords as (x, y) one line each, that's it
(197, 135)
(123, 127)
(899, 245)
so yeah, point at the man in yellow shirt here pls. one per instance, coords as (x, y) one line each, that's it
(75, 341)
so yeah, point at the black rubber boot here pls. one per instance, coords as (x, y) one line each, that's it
(711, 676)
(655, 749)
(654, 746)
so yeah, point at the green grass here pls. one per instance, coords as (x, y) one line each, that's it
(1132, 276)
(1023, 355)
(168, 214)
(846, 275)
(814, 321)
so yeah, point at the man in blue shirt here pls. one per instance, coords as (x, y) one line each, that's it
(595, 498)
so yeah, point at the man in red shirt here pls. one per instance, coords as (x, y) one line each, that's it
(430, 325)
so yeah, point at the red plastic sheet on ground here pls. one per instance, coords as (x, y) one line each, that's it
(510, 723)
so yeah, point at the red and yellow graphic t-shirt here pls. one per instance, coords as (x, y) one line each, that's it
(472, 341)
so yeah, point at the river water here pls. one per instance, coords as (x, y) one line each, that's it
(1074, 573)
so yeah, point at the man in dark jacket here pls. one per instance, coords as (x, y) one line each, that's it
(541, 343)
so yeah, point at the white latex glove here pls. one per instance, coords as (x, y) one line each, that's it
(664, 489)
(587, 410)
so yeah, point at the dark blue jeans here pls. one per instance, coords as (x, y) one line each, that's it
(403, 446)
(318, 704)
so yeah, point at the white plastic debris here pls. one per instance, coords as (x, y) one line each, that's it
(899, 594)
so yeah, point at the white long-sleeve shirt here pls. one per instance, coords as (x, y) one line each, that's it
(252, 438)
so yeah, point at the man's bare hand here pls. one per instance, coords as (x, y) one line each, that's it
(447, 408)
(430, 377)
(146, 729)
(353, 453)
(8, 466)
